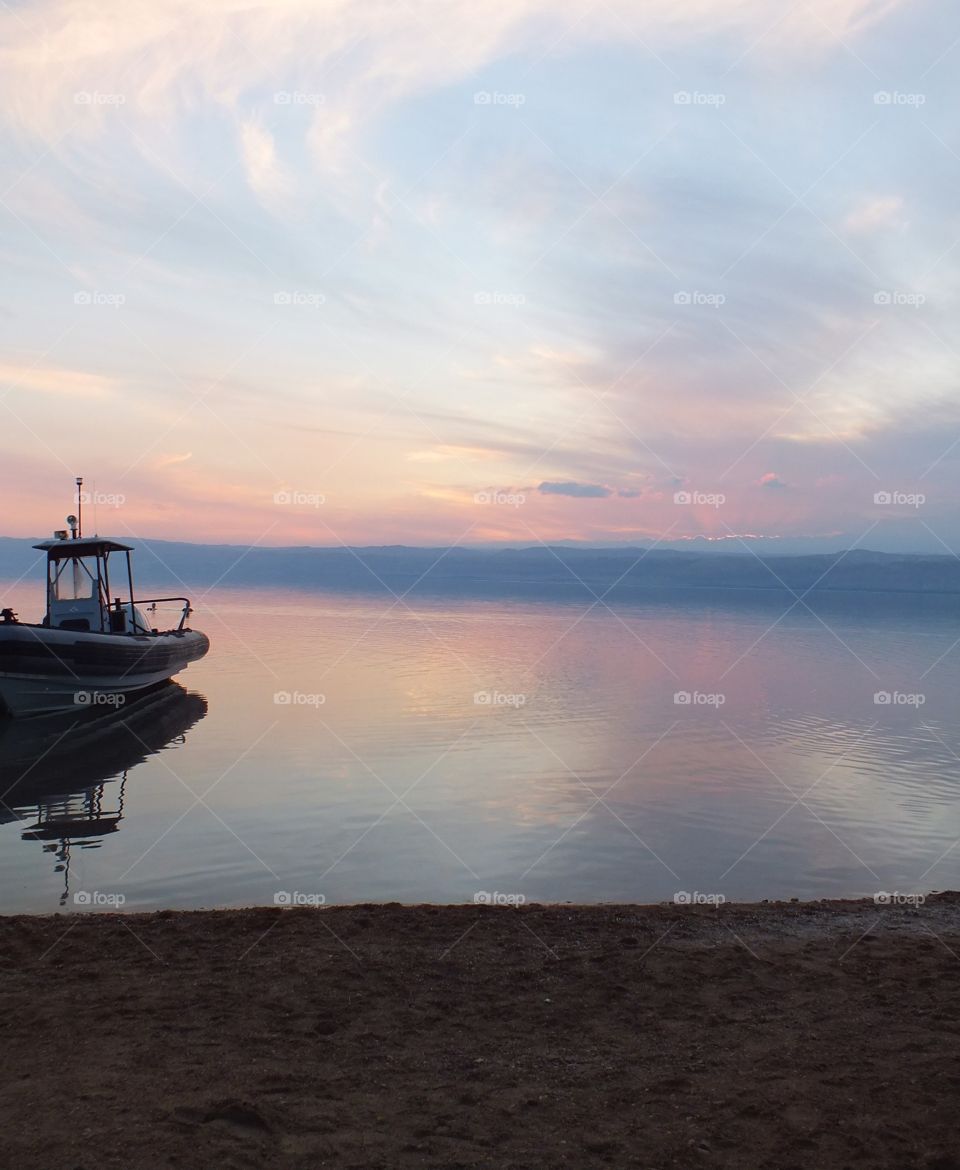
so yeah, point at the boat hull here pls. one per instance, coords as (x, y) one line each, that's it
(43, 670)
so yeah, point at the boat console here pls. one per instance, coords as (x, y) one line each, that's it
(79, 589)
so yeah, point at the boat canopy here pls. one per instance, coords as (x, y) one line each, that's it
(81, 546)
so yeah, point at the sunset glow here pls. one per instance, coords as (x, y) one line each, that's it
(439, 273)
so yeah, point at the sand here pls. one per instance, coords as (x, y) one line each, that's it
(809, 1035)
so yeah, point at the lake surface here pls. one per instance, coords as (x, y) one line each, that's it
(354, 749)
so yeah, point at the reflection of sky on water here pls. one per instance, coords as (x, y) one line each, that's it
(431, 752)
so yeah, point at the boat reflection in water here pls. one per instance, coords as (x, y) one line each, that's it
(62, 769)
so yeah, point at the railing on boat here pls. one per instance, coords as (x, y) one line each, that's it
(145, 601)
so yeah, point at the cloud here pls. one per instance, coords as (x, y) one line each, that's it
(455, 452)
(771, 481)
(54, 380)
(582, 491)
(172, 460)
(158, 58)
(872, 215)
(265, 175)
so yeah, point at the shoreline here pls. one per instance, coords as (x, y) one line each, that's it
(813, 914)
(774, 1034)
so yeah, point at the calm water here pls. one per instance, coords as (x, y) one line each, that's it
(431, 752)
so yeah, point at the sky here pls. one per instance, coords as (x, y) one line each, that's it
(434, 272)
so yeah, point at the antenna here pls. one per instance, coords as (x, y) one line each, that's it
(79, 531)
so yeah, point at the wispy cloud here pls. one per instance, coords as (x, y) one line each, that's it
(583, 491)
(56, 380)
(875, 214)
(264, 172)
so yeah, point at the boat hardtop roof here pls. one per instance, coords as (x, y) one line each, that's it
(81, 546)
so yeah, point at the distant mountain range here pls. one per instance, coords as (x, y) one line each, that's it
(560, 572)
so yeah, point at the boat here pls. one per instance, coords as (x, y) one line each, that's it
(93, 648)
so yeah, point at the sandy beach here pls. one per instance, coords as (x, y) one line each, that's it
(773, 1035)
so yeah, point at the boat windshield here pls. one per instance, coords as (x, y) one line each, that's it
(75, 580)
